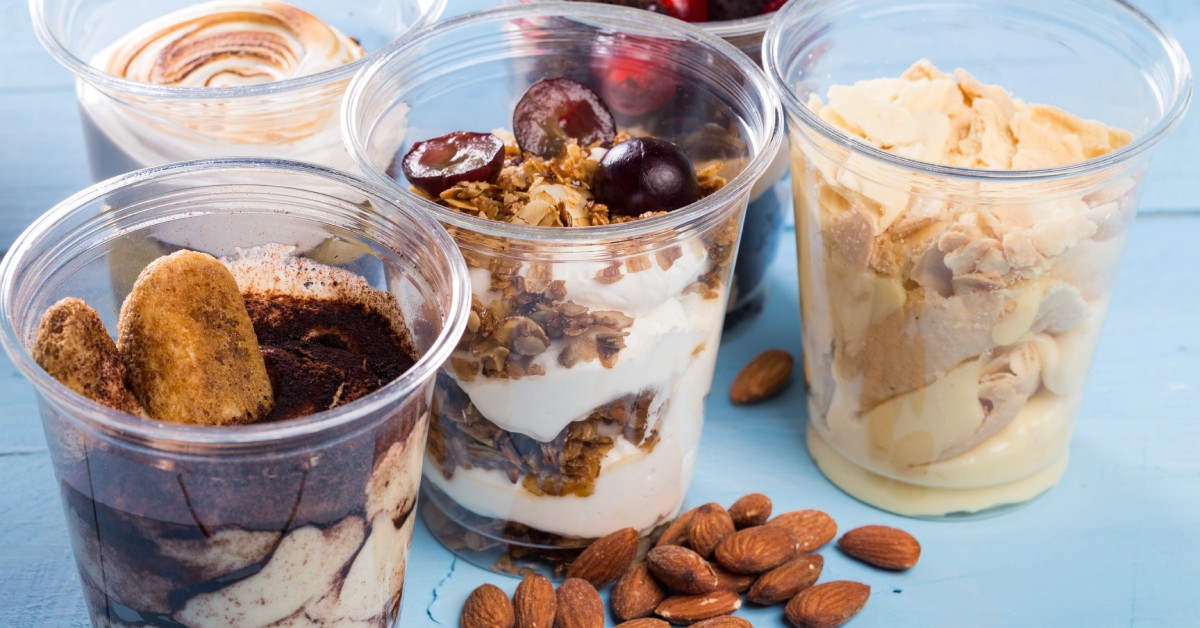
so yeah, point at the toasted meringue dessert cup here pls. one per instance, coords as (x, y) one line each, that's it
(161, 81)
(957, 244)
(306, 516)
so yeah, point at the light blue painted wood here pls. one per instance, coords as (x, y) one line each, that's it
(1114, 544)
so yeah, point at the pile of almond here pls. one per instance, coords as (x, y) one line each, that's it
(698, 570)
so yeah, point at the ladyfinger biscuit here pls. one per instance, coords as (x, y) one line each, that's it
(73, 346)
(189, 346)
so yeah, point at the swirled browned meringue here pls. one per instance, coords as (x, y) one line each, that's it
(228, 43)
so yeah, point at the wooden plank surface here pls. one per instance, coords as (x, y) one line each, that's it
(1114, 544)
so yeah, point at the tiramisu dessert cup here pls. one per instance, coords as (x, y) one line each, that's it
(247, 452)
(572, 408)
(742, 23)
(161, 81)
(961, 211)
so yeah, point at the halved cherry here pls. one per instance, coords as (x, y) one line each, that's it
(645, 174)
(773, 6)
(720, 10)
(436, 165)
(555, 110)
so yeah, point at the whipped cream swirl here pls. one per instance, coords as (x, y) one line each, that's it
(230, 43)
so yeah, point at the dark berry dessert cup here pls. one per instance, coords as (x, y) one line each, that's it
(306, 520)
(573, 406)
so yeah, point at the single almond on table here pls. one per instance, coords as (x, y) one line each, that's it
(688, 609)
(881, 546)
(724, 621)
(644, 622)
(487, 607)
(762, 378)
(682, 569)
(812, 528)
(755, 550)
(677, 532)
(786, 580)
(827, 605)
(636, 594)
(750, 510)
(729, 581)
(579, 605)
(710, 525)
(606, 559)
(534, 602)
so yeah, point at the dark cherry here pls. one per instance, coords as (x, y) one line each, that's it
(631, 81)
(643, 175)
(436, 165)
(555, 110)
(688, 10)
(719, 10)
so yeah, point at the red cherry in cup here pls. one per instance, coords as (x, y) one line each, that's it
(687, 10)
(555, 110)
(645, 174)
(632, 82)
(436, 165)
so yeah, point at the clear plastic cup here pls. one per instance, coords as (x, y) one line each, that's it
(196, 525)
(130, 125)
(769, 199)
(950, 314)
(573, 406)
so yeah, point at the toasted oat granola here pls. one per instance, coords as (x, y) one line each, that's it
(554, 192)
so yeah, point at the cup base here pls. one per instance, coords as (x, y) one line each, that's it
(503, 547)
(911, 500)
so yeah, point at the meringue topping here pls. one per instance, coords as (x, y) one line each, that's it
(229, 43)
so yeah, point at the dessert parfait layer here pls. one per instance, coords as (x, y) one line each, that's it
(957, 249)
(641, 96)
(248, 450)
(599, 254)
(161, 82)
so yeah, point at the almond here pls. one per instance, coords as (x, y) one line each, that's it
(881, 546)
(755, 550)
(827, 605)
(729, 581)
(606, 559)
(682, 569)
(688, 609)
(645, 622)
(677, 532)
(487, 607)
(710, 525)
(762, 378)
(636, 594)
(534, 602)
(579, 605)
(724, 621)
(786, 580)
(812, 528)
(751, 510)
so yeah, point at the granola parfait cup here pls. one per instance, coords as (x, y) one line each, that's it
(305, 520)
(958, 246)
(769, 199)
(573, 406)
(161, 81)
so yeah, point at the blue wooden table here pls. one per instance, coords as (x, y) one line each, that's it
(1116, 544)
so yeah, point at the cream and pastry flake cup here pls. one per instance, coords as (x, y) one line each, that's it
(957, 248)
